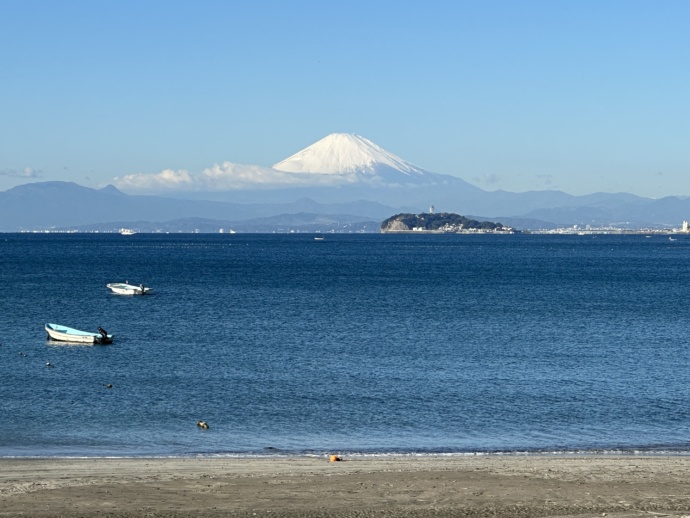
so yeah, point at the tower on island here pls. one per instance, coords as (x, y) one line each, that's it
(431, 209)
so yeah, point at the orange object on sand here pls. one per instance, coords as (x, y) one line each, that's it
(334, 458)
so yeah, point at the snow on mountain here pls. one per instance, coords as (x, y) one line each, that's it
(345, 153)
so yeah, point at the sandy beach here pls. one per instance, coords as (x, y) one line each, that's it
(359, 487)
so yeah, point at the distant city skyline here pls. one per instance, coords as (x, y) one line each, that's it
(581, 97)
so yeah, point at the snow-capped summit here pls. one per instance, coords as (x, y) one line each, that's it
(346, 153)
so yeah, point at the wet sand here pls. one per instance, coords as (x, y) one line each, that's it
(479, 486)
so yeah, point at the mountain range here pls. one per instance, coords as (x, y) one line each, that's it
(343, 182)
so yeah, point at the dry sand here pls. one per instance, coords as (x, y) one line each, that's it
(358, 487)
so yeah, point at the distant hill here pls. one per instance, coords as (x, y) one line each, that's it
(66, 205)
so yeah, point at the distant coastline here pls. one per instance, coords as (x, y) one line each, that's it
(666, 232)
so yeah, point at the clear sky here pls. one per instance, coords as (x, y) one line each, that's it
(577, 95)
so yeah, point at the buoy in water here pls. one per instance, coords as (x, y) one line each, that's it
(202, 424)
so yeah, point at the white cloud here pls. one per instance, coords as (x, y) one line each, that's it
(165, 180)
(225, 177)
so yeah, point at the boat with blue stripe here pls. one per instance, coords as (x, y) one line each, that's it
(69, 334)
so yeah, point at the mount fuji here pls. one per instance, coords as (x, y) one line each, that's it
(358, 159)
(341, 167)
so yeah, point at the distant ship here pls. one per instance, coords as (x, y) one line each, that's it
(127, 232)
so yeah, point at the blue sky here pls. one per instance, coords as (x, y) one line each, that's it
(581, 96)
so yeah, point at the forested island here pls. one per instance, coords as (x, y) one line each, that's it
(441, 222)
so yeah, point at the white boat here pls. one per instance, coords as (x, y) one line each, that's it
(123, 288)
(127, 232)
(68, 334)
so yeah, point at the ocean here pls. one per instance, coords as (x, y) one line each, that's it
(355, 344)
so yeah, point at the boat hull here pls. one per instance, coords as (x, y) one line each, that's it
(122, 288)
(68, 334)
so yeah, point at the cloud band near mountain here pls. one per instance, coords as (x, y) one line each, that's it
(226, 176)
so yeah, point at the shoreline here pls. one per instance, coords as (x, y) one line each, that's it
(525, 485)
(282, 454)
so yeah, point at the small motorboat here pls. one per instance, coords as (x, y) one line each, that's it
(68, 334)
(124, 288)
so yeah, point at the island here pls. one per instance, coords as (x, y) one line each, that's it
(443, 222)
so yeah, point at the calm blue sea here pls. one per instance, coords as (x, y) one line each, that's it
(369, 344)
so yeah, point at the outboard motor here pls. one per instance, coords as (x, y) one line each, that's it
(104, 334)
